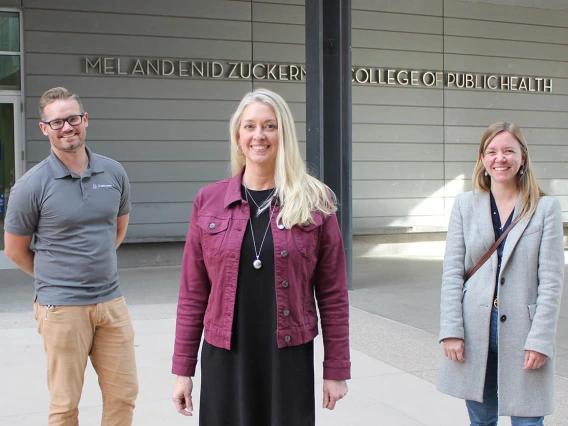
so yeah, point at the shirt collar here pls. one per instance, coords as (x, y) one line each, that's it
(233, 193)
(60, 171)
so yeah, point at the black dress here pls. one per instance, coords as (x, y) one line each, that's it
(256, 383)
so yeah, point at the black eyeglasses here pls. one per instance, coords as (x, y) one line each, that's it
(58, 123)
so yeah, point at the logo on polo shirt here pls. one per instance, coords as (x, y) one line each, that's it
(97, 186)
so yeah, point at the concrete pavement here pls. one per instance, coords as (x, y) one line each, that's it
(395, 354)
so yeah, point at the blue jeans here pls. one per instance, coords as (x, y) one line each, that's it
(486, 413)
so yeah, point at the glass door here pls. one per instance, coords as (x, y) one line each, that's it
(11, 131)
(11, 150)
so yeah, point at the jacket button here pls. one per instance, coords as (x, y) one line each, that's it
(280, 226)
(502, 280)
(211, 226)
(286, 338)
(284, 253)
(285, 284)
(286, 312)
(306, 223)
(503, 318)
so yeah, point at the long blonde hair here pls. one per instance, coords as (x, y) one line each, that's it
(299, 193)
(526, 181)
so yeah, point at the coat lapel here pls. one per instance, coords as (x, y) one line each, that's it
(515, 234)
(484, 224)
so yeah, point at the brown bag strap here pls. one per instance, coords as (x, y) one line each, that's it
(490, 251)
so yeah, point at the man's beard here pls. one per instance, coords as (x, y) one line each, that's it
(70, 148)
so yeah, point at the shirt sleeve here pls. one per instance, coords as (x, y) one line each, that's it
(192, 301)
(452, 291)
(331, 288)
(22, 214)
(125, 202)
(542, 335)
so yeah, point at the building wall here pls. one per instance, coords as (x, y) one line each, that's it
(170, 134)
(413, 147)
(525, 41)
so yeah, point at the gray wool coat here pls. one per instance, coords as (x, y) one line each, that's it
(530, 289)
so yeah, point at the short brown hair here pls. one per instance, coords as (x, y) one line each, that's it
(55, 94)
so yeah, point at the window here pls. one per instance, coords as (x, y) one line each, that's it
(10, 51)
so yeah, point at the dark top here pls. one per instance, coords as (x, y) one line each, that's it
(498, 232)
(256, 383)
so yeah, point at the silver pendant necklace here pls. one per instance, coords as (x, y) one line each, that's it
(257, 264)
(264, 205)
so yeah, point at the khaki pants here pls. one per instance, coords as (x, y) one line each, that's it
(73, 333)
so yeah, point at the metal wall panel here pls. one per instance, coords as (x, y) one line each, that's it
(400, 170)
(506, 48)
(397, 152)
(146, 150)
(542, 136)
(214, 9)
(493, 12)
(279, 33)
(152, 26)
(158, 231)
(375, 39)
(141, 46)
(503, 101)
(296, 2)
(480, 117)
(374, 95)
(278, 13)
(364, 19)
(403, 207)
(397, 59)
(466, 27)
(363, 189)
(129, 87)
(397, 133)
(418, 7)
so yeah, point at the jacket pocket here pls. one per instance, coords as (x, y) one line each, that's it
(532, 310)
(306, 235)
(213, 232)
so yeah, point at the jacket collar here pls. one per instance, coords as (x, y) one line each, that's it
(515, 234)
(233, 193)
(482, 214)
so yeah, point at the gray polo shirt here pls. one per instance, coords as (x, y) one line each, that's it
(73, 219)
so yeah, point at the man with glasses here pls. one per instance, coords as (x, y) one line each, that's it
(76, 203)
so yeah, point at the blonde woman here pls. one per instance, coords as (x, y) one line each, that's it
(499, 328)
(262, 247)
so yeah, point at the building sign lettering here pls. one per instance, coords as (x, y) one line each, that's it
(270, 71)
(461, 80)
(189, 68)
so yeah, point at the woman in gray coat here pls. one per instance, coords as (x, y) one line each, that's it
(498, 329)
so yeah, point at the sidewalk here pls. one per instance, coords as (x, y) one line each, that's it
(394, 360)
(379, 394)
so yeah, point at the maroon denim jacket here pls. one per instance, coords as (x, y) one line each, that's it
(306, 258)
